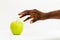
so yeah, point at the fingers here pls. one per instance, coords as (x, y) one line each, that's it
(22, 15)
(27, 19)
(19, 13)
(33, 20)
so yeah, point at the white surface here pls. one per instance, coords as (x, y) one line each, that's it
(40, 30)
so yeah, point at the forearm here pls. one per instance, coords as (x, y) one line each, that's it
(50, 16)
(54, 15)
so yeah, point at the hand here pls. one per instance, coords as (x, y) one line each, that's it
(34, 14)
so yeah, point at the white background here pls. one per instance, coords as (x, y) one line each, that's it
(40, 30)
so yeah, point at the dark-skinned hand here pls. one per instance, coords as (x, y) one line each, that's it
(34, 14)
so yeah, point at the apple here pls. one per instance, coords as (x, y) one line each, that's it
(16, 27)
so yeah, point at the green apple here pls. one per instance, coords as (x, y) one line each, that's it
(16, 27)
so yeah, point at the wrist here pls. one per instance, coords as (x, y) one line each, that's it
(44, 16)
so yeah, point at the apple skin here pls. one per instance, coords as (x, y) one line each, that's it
(16, 27)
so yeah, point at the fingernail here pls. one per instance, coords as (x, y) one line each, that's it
(20, 16)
